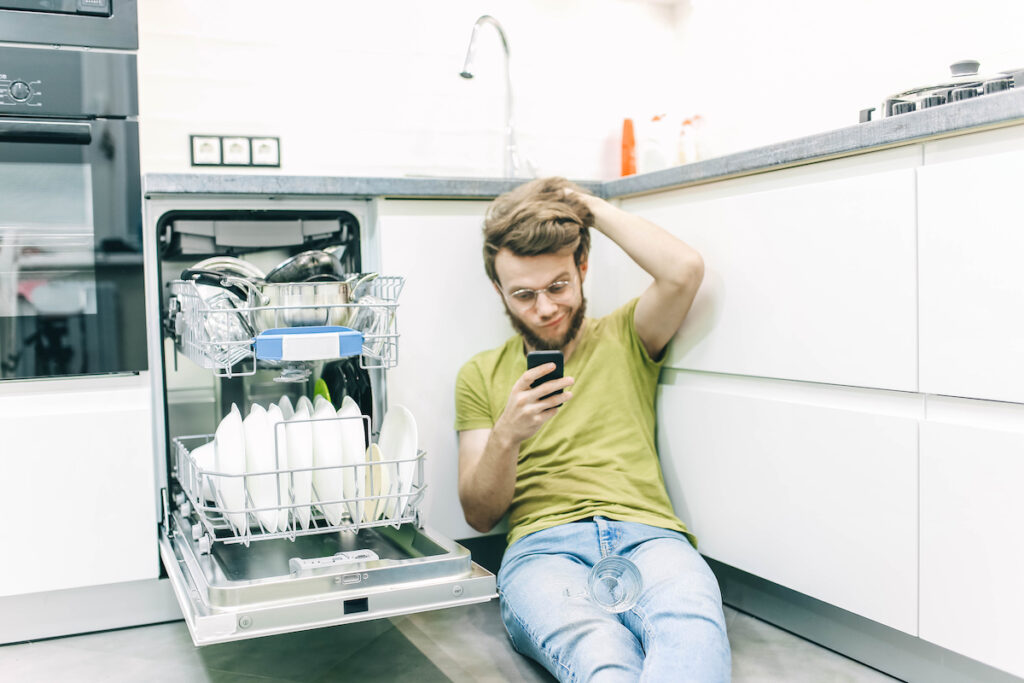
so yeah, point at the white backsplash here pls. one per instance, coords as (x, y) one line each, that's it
(763, 72)
(373, 89)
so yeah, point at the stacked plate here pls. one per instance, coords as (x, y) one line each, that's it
(275, 469)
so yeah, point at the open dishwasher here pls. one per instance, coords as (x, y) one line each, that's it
(312, 554)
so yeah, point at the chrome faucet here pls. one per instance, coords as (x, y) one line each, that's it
(513, 163)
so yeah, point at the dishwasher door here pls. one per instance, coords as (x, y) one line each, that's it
(234, 592)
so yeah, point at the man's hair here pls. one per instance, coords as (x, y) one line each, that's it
(537, 218)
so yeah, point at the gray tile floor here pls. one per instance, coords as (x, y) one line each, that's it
(459, 644)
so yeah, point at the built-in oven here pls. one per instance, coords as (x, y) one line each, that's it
(71, 272)
(89, 23)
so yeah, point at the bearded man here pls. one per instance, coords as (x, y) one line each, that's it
(577, 472)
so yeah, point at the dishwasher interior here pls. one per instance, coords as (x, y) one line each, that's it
(306, 513)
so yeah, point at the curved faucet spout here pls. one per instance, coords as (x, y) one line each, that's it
(471, 51)
(512, 162)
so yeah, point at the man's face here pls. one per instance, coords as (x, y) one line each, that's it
(549, 319)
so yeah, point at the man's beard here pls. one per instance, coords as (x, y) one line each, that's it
(541, 344)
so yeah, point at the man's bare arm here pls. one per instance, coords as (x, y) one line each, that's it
(677, 269)
(487, 477)
(488, 457)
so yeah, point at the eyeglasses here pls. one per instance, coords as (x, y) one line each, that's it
(526, 298)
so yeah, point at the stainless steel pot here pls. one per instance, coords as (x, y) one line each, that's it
(297, 304)
(306, 265)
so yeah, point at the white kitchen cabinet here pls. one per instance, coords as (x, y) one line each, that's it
(809, 273)
(76, 483)
(972, 282)
(810, 487)
(972, 552)
(449, 312)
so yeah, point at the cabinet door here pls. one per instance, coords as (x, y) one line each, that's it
(812, 488)
(972, 280)
(76, 484)
(972, 552)
(810, 278)
(448, 312)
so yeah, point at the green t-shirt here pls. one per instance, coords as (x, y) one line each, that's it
(597, 456)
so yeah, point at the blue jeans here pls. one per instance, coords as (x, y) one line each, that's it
(675, 632)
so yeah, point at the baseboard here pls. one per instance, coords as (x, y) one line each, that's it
(36, 616)
(891, 651)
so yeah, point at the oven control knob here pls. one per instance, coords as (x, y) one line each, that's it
(904, 107)
(963, 94)
(20, 91)
(998, 85)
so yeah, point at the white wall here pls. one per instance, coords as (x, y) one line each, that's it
(372, 88)
(762, 72)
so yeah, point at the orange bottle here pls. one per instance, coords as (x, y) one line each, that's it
(628, 148)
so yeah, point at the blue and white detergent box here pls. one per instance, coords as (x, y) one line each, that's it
(309, 343)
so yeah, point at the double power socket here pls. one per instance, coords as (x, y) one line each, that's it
(233, 150)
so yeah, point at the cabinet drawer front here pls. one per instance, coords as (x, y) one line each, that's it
(972, 555)
(818, 498)
(972, 282)
(813, 282)
(77, 456)
(450, 312)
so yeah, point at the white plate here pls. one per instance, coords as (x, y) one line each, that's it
(304, 401)
(398, 441)
(300, 455)
(229, 455)
(279, 439)
(285, 404)
(378, 483)
(328, 484)
(353, 453)
(259, 457)
(205, 459)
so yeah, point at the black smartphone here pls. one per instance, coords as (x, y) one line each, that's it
(535, 358)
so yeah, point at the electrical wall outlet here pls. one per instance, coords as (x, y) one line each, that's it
(205, 150)
(266, 152)
(235, 150)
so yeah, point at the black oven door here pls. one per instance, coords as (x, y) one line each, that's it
(89, 23)
(71, 285)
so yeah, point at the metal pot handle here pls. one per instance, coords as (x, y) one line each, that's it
(248, 285)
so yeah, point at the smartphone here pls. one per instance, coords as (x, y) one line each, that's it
(535, 358)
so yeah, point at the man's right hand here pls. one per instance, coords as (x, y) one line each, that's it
(526, 411)
(488, 457)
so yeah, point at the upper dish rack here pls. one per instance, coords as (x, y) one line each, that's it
(217, 330)
(391, 496)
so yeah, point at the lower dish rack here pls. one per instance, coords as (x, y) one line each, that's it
(369, 566)
(351, 497)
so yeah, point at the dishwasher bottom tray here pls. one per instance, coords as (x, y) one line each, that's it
(279, 586)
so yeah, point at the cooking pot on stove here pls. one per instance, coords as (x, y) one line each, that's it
(965, 82)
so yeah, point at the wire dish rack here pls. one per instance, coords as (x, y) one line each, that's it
(388, 493)
(216, 329)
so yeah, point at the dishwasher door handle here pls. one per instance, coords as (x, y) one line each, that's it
(14, 130)
(298, 565)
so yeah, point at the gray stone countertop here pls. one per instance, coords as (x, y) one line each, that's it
(950, 119)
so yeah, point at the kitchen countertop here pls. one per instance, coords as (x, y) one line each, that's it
(989, 111)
